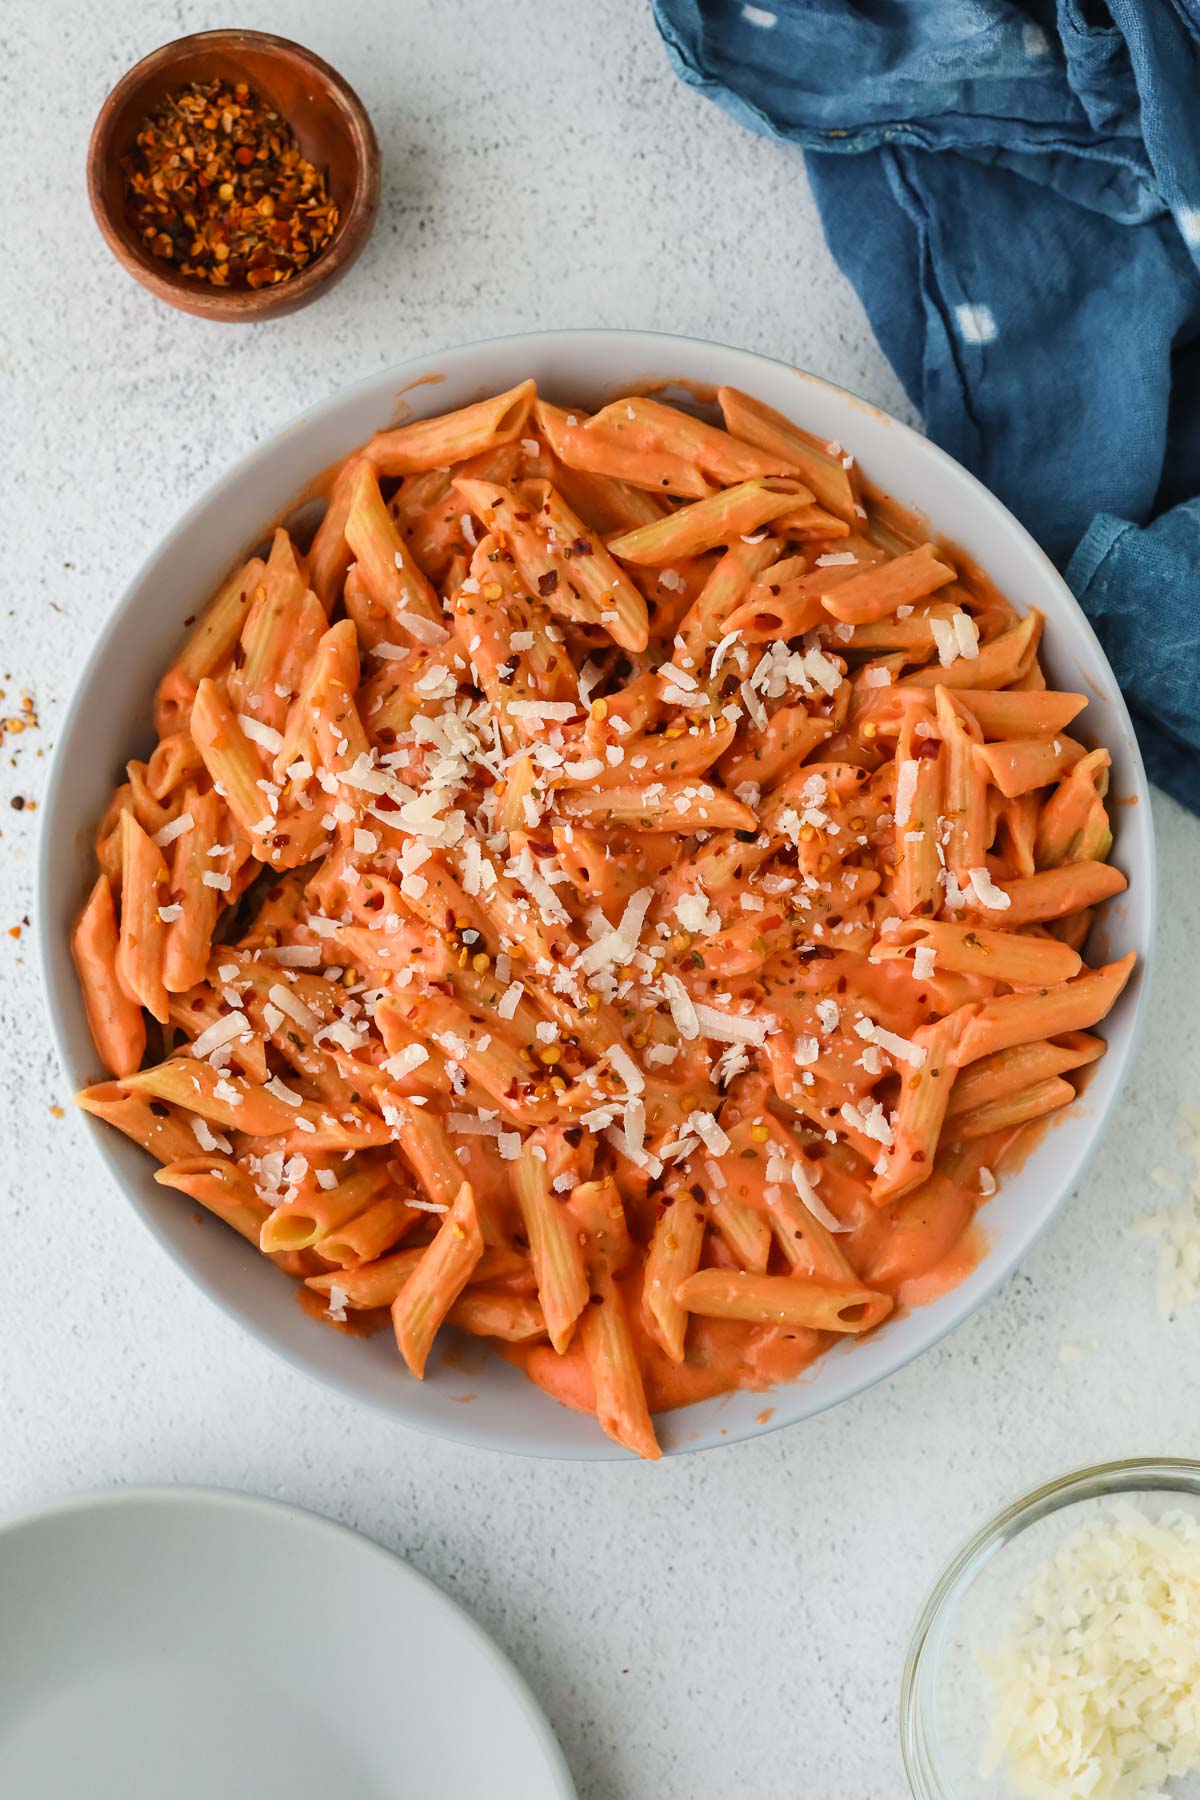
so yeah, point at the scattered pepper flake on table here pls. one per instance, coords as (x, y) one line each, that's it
(216, 183)
(26, 719)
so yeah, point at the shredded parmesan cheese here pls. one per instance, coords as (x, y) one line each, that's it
(265, 736)
(724, 1028)
(906, 788)
(683, 1010)
(924, 962)
(225, 1030)
(946, 639)
(295, 1009)
(175, 829)
(986, 892)
(616, 947)
(1096, 1685)
(901, 1048)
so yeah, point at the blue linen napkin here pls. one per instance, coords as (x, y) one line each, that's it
(1014, 190)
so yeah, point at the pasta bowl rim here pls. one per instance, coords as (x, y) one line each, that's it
(132, 649)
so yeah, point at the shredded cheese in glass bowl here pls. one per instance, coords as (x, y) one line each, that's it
(1058, 1656)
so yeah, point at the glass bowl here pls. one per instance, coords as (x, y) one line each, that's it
(945, 1704)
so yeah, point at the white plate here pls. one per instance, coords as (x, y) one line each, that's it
(188, 1644)
(110, 720)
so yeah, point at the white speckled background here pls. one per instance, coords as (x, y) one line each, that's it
(728, 1624)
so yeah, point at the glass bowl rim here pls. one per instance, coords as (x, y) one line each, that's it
(1095, 1481)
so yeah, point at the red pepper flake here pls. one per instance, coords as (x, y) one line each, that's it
(548, 582)
(217, 185)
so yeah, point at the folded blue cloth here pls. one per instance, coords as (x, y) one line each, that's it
(1014, 190)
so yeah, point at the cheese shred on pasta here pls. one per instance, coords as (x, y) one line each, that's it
(1097, 1687)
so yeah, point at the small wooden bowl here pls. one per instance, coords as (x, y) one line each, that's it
(330, 123)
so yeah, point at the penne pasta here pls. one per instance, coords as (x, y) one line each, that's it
(926, 1085)
(964, 796)
(175, 761)
(299, 1224)
(826, 468)
(368, 1234)
(623, 893)
(373, 1284)
(399, 598)
(1011, 1071)
(488, 1312)
(747, 1234)
(421, 1306)
(553, 1244)
(220, 1185)
(138, 962)
(602, 593)
(604, 1330)
(282, 629)
(1073, 825)
(997, 664)
(1004, 956)
(1008, 714)
(788, 738)
(918, 803)
(602, 452)
(329, 556)
(1055, 893)
(673, 1255)
(1020, 1018)
(878, 592)
(783, 1300)
(161, 1129)
(573, 574)
(194, 903)
(238, 1105)
(209, 648)
(453, 437)
(676, 805)
(706, 621)
(1033, 1102)
(641, 426)
(733, 513)
(1020, 765)
(114, 1016)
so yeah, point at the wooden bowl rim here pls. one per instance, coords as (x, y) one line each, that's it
(234, 304)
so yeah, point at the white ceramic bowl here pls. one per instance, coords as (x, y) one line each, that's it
(110, 720)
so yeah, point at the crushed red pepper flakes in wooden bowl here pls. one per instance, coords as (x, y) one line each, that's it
(217, 184)
(234, 174)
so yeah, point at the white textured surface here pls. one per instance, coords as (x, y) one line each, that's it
(729, 1624)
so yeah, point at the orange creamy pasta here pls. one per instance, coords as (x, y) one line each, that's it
(618, 891)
